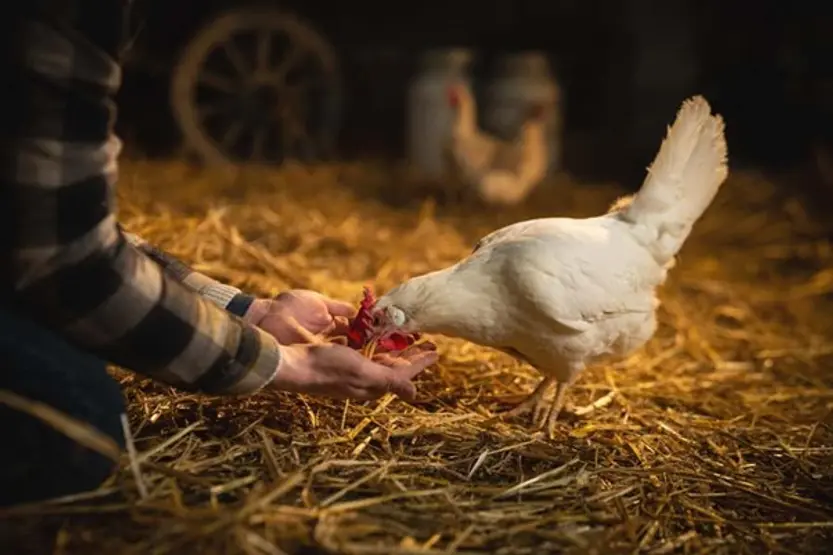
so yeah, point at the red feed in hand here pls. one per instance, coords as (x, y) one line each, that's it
(362, 331)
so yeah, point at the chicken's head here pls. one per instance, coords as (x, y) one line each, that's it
(428, 303)
(389, 318)
(400, 309)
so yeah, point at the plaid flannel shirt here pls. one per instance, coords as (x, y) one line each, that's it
(66, 263)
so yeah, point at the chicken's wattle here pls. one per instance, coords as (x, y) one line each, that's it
(362, 333)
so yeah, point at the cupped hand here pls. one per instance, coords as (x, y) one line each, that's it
(312, 311)
(336, 371)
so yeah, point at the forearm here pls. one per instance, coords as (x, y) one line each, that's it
(120, 305)
(225, 296)
(69, 266)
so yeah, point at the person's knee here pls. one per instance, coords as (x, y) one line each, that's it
(41, 367)
(46, 463)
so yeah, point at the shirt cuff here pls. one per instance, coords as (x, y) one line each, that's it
(264, 368)
(227, 297)
(219, 294)
(240, 303)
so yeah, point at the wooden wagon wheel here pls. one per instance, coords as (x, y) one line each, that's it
(257, 85)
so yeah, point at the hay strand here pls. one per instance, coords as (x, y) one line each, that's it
(717, 437)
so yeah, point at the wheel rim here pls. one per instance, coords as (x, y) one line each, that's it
(260, 87)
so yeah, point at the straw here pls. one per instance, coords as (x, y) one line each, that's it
(717, 437)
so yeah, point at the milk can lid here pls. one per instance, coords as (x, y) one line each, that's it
(447, 57)
(528, 62)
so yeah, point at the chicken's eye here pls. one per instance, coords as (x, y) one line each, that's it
(397, 317)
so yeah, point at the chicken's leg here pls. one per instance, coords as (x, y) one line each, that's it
(556, 406)
(535, 401)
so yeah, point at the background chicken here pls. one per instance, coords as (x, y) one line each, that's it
(562, 293)
(502, 172)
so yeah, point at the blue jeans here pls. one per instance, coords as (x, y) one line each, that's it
(39, 462)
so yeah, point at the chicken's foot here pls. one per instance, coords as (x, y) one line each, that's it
(535, 401)
(555, 407)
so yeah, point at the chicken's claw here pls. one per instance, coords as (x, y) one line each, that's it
(545, 412)
(555, 407)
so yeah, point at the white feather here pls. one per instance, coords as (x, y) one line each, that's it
(682, 181)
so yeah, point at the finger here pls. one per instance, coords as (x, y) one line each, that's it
(369, 394)
(340, 325)
(417, 365)
(339, 308)
(426, 346)
(327, 329)
(403, 389)
(404, 358)
(390, 360)
(417, 349)
(356, 394)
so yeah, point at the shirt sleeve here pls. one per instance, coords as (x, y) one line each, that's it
(70, 267)
(225, 296)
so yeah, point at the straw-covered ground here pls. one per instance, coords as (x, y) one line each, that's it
(715, 438)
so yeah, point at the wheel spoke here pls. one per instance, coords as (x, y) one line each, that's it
(295, 56)
(216, 81)
(235, 57)
(264, 52)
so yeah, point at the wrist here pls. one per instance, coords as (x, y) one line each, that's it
(256, 310)
(287, 376)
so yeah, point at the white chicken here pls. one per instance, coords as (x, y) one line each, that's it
(501, 172)
(563, 293)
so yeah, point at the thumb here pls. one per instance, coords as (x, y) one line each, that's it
(339, 308)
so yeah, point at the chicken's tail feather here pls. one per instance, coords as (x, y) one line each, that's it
(684, 178)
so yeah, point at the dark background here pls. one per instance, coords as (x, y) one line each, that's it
(767, 66)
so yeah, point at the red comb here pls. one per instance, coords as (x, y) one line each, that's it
(453, 95)
(361, 326)
(536, 111)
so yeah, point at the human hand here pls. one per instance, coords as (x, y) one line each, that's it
(336, 371)
(312, 311)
